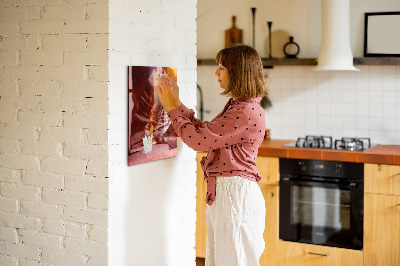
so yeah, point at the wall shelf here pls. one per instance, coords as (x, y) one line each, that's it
(269, 63)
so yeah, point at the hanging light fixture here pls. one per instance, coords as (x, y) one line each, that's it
(335, 52)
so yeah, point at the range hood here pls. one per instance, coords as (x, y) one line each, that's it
(335, 52)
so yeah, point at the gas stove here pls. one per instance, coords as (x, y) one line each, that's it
(326, 142)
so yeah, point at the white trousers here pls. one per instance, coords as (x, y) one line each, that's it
(235, 223)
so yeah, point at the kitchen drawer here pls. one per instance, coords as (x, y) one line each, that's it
(299, 254)
(382, 179)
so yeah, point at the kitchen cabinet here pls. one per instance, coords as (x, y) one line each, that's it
(382, 215)
(269, 170)
(201, 205)
(300, 254)
(382, 179)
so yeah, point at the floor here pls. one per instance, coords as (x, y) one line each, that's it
(200, 262)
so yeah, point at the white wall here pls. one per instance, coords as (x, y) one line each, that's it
(152, 205)
(53, 135)
(301, 19)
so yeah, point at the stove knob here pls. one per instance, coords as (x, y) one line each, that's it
(338, 169)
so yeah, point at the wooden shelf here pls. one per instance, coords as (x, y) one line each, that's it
(269, 63)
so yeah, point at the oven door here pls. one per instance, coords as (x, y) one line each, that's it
(321, 212)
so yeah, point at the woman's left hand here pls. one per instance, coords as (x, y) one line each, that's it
(165, 96)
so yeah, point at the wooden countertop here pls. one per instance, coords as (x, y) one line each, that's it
(380, 154)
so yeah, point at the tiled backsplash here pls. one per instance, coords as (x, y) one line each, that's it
(365, 103)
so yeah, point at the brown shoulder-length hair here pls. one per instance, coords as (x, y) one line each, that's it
(245, 69)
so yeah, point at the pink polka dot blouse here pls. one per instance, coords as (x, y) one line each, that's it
(232, 139)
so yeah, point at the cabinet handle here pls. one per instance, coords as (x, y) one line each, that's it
(318, 254)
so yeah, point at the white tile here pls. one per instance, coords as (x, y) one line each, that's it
(286, 120)
(323, 109)
(298, 120)
(374, 83)
(362, 97)
(310, 95)
(323, 83)
(349, 96)
(298, 71)
(298, 131)
(398, 137)
(298, 83)
(389, 137)
(336, 133)
(349, 132)
(336, 121)
(336, 83)
(324, 131)
(389, 97)
(362, 133)
(376, 136)
(362, 78)
(335, 109)
(323, 121)
(348, 109)
(336, 96)
(323, 95)
(362, 110)
(285, 83)
(310, 122)
(362, 123)
(389, 124)
(389, 84)
(389, 110)
(375, 123)
(375, 110)
(375, 97)
(310, 82)
(349, 122)
(299, 97)
(389, 71)
(285, 71)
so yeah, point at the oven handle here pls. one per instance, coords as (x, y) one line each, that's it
(310, 182)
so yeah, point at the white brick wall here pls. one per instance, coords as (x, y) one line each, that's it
(53, 135)
(149, 201)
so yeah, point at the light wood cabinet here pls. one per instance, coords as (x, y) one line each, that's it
(382, 179)
(299, 254)
(201, 205)
(271, 232)
(382, 215)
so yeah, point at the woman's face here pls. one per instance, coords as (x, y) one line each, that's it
(223, 76)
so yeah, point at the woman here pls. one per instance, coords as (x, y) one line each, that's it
(236, 211)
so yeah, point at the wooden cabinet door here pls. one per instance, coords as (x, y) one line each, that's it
(381, 230)
(268, 167)
(201, 205)
(299, 254)
(382, 179)
(271, 232)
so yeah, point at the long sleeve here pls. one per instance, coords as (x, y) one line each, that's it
(189, 114)
(232, 127)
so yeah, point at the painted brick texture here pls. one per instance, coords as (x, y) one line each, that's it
(53, 135)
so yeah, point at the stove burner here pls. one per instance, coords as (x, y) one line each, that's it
(324, 142)
(353, 144)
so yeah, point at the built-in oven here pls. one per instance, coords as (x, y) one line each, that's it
(321, 202)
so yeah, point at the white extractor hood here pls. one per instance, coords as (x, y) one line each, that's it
(335, 52)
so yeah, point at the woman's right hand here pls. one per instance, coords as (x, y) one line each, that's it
(175, 89)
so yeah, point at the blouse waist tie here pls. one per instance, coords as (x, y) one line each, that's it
(210, 196)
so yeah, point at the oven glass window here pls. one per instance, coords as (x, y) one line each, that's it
(321, 207)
